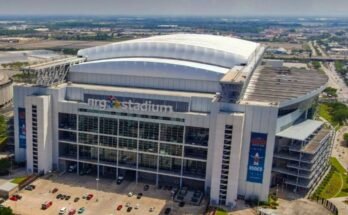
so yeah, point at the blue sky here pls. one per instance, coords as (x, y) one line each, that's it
(176, 7)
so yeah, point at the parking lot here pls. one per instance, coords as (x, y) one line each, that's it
(105, 199)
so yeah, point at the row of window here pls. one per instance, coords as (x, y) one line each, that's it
(131, 128)
(145, 146)
(129, 159)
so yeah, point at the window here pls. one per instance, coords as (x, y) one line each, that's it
(108, 156)
(172, 133)
(108, 141)
(147, 146)
(127, 159)
(194, 168)
(128, 128)
(88, 138)
(197, 136)
(66, 136)
(148, 130)
(129, 144)
(148, 161)
(67, 121)
(170, 149)
(194, 152)
(172, 165)
(108, 126)
(88, 123)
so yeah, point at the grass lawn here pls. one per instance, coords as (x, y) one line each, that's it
(335, 183)
(18, 180)
(324, 111)
(332, 187)
(220, 212)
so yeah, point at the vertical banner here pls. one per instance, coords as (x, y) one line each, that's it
(22, 128)
(257, 154)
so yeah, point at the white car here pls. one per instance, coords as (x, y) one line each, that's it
(62, 211)
(130, 194)
(128, 204)
(136, 206)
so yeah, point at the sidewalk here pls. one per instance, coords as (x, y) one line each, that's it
(341, 206)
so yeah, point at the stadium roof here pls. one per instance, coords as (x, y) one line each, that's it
(278, 85)
(153, 67)
(208, 49)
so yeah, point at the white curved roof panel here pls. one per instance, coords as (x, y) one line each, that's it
(153, 67)
(208, 49)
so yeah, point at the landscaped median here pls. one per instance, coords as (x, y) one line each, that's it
(335, 184)
(19, 180)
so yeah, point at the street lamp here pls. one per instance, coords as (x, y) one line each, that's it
(97, 180)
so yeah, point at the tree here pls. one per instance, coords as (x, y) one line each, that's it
(6, 211)
(4, 166)
(345, 138)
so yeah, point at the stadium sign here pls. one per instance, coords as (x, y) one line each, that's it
(113, 103)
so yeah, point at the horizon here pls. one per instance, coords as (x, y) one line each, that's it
(236, 8)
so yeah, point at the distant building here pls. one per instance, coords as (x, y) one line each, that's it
(185, 110)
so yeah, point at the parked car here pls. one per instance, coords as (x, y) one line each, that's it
(54, 190)
(89, 197)
(81, 210)
(128, 204)
(18, 196)
(119, 207)
(167, 211)
(76, 199)
(119, 179)
(62, 211)
(146, 187)
(151, 209)
(46, 205)
(139, 195)
(72, 211)
(130, 194)
(13, 198)
(85, 196)
(181, 204)
(67, 197)
(129, 209)
(30, 187)
(62, 197)
(59, 196)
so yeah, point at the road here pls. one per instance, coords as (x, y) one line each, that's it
(336, 81)
(314, 52)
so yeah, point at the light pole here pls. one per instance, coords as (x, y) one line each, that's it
(97, 180)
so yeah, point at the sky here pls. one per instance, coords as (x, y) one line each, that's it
(176, 7)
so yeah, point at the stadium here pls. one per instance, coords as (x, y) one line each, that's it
(197, 111)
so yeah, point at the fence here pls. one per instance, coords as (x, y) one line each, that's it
(327, 204)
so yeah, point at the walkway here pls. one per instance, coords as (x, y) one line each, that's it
(341, 206)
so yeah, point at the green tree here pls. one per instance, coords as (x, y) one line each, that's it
(345, 138)
(4, 165)
(6, 211)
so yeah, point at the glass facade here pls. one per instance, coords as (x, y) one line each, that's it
(68, 136)
(67, 121)
(155, 151)
(172, 133)
(88, 123)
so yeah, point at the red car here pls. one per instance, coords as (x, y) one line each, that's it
(46, 205)
(89, 197)
(119, 207)
(13, 198)
(72, 211)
